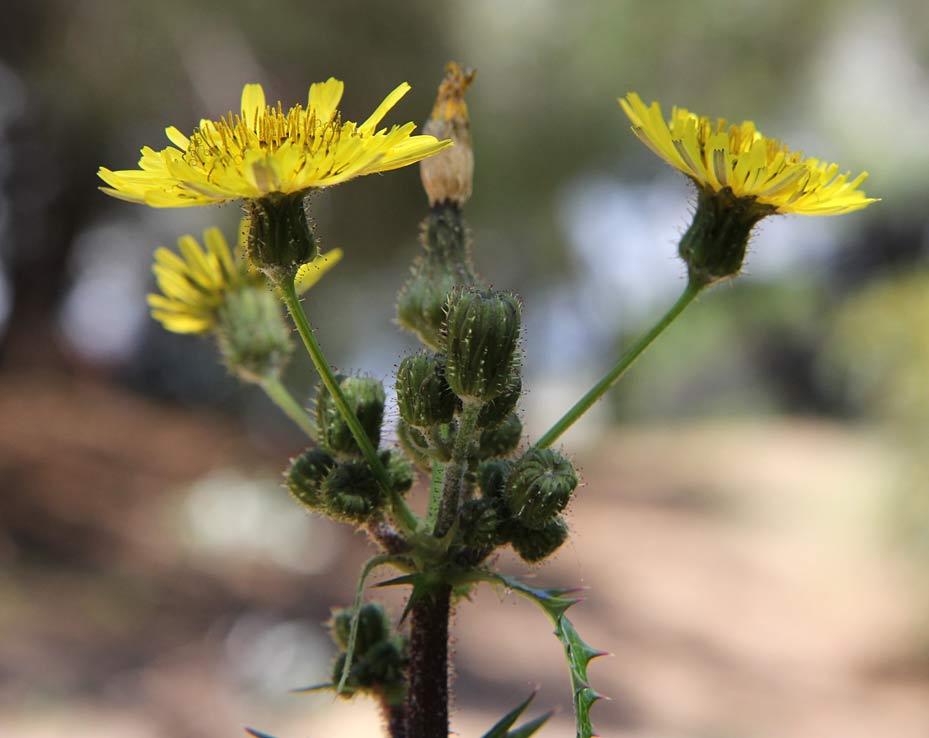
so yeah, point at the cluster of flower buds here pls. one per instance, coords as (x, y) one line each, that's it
(477, 370)
(379, 658)
(333, 477)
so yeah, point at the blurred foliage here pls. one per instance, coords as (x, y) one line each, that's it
(743, 348)
(878, 350)
(877, 355)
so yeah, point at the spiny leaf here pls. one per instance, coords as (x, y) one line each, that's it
(579, 654)
(528, 729)
(315, 688)
(500, 728)
(257, 733)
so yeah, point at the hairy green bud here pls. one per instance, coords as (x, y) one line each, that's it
(498, 409)
(501, 439)
(421, 304)
(253, 338)
(444, 265)
(492, 476)
(533, 545)
(423, 395)
(479, 524)
(715, 244)
(351, 492)
(306, 475)
(539, 487)
(399, 471)
(280, 237)
(481, 337)
(414, 443)
(365, 396)
(373, 627)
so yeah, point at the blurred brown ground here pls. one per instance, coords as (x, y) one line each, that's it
(736, 570)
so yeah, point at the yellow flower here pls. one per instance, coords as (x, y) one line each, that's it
(195, 285)
(740, 159)
(264, 150)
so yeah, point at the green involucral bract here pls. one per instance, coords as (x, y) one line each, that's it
(480, 342)
(539, 487)
(423, 395)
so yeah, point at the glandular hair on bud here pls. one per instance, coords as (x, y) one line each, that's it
(306, 475)
(251, 333)
(501, 439)
(351, 493)
(448, 176)
(423, 395)
(365, 396)
(539, 487)
(480, 342)
(715, 244)
(280, 236)
(533, 545)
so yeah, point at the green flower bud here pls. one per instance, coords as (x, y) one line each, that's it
(479, 524)
(399, 471)
(534, 545)
(444, 265)
(306, 475)
(252, 335)
(499, 408)
(421, 303)
(381, 666)
(423, 395)
(280, 237)
(414, 443)
(714, 246)
(351, 492)
(492, 476)
(481, 337)
(502, 439)
(539, 487)
(373, 627)
(365, 396)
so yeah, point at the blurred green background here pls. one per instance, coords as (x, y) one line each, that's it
(755, 528)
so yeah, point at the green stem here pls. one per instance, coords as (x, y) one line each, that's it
(455, 471)
(625, 361)
(278, 394)
(405, 517)
(436, 484)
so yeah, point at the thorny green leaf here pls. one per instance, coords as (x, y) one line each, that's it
(555, 602)
(502, 728)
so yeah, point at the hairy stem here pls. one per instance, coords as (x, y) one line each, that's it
(625, 361)
(281, 397)
(427, 700)
(404, 516)
(455, 471)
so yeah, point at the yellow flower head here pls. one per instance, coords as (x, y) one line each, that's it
(264, 150)
(194, 286)
(740, 159)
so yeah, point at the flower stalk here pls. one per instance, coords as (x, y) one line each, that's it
(281, 397)
(404, 516)
(613, 375)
